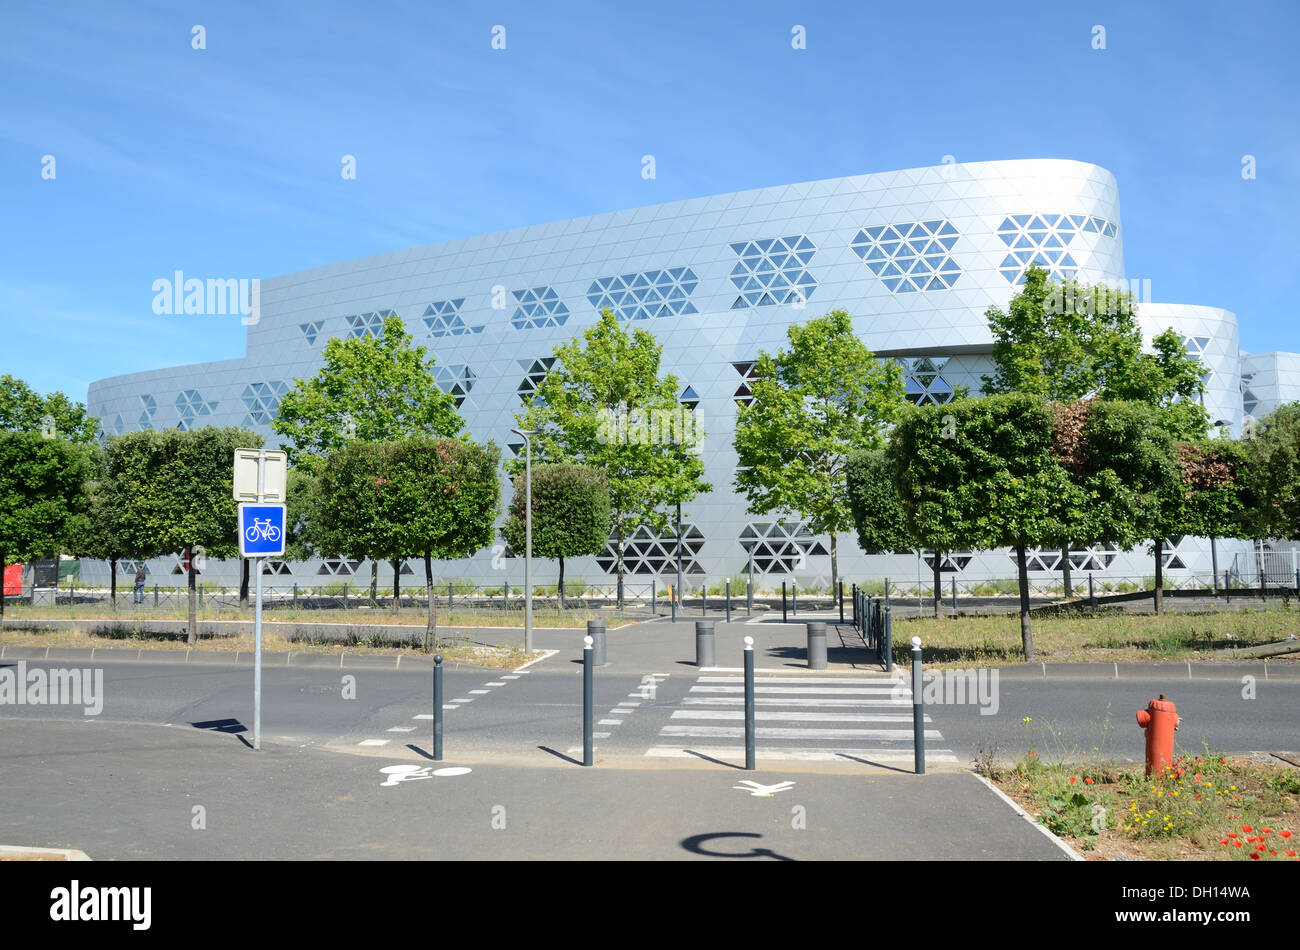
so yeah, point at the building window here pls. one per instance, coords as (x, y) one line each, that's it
(367, 324)
(910, 257)
(922, 383)
(311, 330)
(538, 307)
(534, 372)
(456, 379)
(647, 552)
(1042, 240)
(780, 548)
(443, 318)
(773, 271)
(190, 405)
(653, 293)
(262, 400)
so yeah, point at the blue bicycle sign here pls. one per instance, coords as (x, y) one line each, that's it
(261, 530)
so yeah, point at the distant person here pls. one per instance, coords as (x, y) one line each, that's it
(139, 584)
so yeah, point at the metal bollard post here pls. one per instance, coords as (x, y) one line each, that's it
(654, 597)
(794, 598)
(855, 605)
(954, 596)
(1227, 586)
(889, 642)
(704, 598)
(586, 702)
(783, 613)
(729, 599)
(840, 599)
(596, 631)
(672, 600)
(450, 593)
(437, 707)
(749, 704)
(155, 595)
(704, 644)
(918, 709)
(749, 598)
(816, 645)
(345, 595)
(295, 593)
(506, 598)
(1092, 600)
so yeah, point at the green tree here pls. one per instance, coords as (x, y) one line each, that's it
(605, 405)
(371, 389)
(877, 510)
(814, 403)
(982, 473)
(572, 515)
(176, 491)
(22, 409)
(42, 495)
(435, 498)
(1271, 475)
(102, 531)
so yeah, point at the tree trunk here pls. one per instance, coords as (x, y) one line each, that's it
(1065, 569)
(1159, 595)
(397, 584)
(835, 568)
(192, 634)
(1026, 631)
(244, 571)
(561, 588)
(619, 543)
(431, 623)
(374, 581)
(112, 582)
(938, 564)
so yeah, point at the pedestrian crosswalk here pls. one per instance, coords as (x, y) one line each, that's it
(802, 717)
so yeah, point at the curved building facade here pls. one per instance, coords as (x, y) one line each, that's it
(915, 257)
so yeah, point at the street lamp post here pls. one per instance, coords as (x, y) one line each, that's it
(528, 536)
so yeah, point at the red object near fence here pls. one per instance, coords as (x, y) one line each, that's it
(13, 583)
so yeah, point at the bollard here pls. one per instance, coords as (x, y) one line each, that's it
(783, 613)
(794, 598)
(1091, 598)
(295, 593)
(816, 645)
(889, 642)
(345, 595)
(749, 598)
(654, 597)
(729, 600)
(954, 596)
(586, 702)
(450, 593)
(506, 598)
(596, 631)
(155, 595)
(704, 643)
(918, 709)
(672, 600)
(749, 704)
(437, 708)
(855, 605)
(1227, 586)
(704, 598)
(840, 599)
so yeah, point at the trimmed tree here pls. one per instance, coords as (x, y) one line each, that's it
(22, 409)
(572, 515)
(42, 495)
(878, 513)
(987, 477)
(584, 411)
(814, 403)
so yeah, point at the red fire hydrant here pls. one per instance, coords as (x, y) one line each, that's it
(1159, 719)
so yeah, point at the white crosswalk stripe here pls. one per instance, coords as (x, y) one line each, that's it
(800, 718)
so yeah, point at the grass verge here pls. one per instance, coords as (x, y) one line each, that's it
(1206, 807)
(508, 657)
(1101, 637)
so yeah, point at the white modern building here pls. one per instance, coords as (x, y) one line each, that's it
(915, 256)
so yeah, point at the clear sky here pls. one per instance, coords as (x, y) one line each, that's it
(226, 161)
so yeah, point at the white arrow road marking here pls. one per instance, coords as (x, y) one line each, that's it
(760, 791)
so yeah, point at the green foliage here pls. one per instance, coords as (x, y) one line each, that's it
(571, 512)
(1271, 475)
(417, 496)
(874, 503)
(42, 493)
(22, 409)
(608, 371)
(814, 403)
(371, 389)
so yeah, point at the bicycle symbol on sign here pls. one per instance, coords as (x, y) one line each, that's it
(262, 529)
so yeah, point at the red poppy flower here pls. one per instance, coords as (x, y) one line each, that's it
(1223, 841)
(1237, 843)
(1072, 779)
(1087, 781)
(1290, 852)
(1247, 828)
(1254, 855)
(1285, 834)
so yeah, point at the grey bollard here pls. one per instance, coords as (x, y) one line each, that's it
(596, 630)
(704, 643)
(817, 645)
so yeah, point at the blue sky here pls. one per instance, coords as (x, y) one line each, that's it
(225, 162)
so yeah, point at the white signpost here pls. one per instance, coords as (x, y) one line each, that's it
(259, 485)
